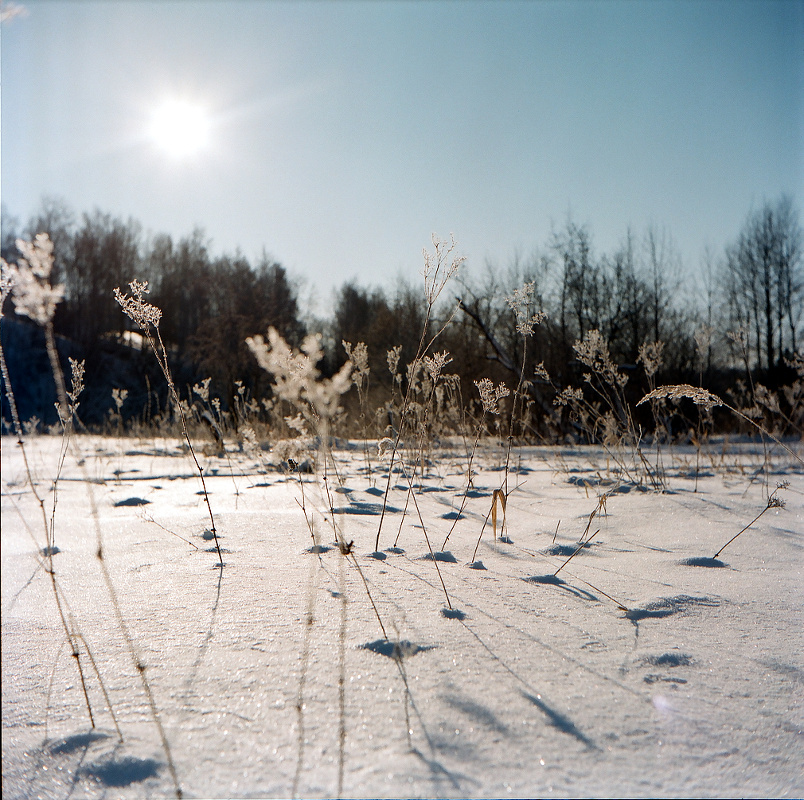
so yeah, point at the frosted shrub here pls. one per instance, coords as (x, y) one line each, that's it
(32, 293)
(296, 377)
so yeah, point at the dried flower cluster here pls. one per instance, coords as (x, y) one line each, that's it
(119, 397)
(358, 355)
(202, 389)
(568, 396)
(594, 352)
(651, 357)
(393, 359)
(540, 372)
(490, 395)
(76, 380)
(135, 308)
(520, 302)
(435, 364)
(439, 267)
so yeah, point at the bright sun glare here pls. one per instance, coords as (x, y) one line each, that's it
(180, 128)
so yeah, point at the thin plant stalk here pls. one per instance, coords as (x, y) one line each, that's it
(772, 502)
(147, 317)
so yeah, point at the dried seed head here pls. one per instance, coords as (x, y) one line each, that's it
(490, 395)
(540, 371)
(568, 396)
(202, 389)
(76, 380)
(701, 397)
(439, 267)
(519, 302)
(435, 364)
(119, 397)
(651, 357)
(594, 353)
(393, 358)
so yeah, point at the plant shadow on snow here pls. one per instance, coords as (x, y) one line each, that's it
(667, 606)
(119, 772)
(396, 650)
(554, 580)
(478, 713)
(669, 660)
(440, 555)
(567, 549)
(77, 741)
(440, 773)
(132, 501)
(703, 561)
(366, 509)
(560, 721)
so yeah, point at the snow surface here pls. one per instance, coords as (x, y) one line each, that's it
(530, 686)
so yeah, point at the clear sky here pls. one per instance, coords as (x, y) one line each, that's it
(338, 136)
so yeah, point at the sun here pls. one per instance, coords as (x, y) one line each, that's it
(180, 128)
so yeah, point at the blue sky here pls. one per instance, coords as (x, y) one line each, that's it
(344, 134)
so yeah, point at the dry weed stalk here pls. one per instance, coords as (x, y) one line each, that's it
(28, 282)
(440, 267)
(490, 397)
(772, 502)
(147, 317)
(37, 299)
(708, 400)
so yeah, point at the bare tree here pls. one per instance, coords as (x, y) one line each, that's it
(764, 280)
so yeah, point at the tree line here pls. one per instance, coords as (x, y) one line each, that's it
(741, 314)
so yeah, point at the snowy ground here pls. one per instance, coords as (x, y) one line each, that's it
(529, 688)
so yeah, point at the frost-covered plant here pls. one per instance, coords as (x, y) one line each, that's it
(709, 400)
(119, 396)
(358, 355)
(33, 295)
(147, 316)
(607, 417)
(773, 501)
(28, 282)
(490, 396)
(520, 301)
(440, 266)
(650, 356)
(296, 376)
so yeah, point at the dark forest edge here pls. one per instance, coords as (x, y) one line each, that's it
(615, 327)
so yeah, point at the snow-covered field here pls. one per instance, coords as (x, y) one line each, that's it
(531, 686)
